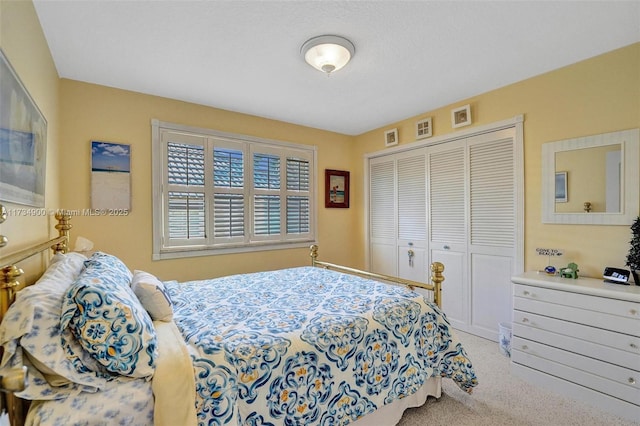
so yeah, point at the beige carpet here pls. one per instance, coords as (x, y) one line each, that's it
(502, 398)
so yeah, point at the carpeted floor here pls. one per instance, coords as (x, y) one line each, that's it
(503, 399)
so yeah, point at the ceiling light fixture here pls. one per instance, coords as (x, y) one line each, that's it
(328, 53)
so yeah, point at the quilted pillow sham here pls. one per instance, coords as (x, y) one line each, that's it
(105, 316)
(153, 296)
(31, 335)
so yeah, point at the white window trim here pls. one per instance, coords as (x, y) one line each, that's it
(159, 177)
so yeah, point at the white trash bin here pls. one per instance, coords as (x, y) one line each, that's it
(505, 338)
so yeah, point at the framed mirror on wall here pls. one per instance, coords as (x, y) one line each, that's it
(592, 179)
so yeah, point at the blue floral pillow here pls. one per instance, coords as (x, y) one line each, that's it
(105, 316)
(30, 335)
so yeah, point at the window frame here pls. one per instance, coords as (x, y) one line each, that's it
(210, 245)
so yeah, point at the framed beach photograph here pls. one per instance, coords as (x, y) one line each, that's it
(110, 176)
(23, 141)
(561, 187)
(461, 116)
(423, 128)
(391, 137)
(336, 184)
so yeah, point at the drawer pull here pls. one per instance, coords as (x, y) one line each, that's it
(525, 347)
(526, 293)
(633, 312)
(525, 319)
(633, 345)
(632, 380)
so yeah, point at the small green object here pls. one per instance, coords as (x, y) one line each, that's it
(571, 271)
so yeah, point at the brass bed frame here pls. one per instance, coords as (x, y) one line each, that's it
(15, 380)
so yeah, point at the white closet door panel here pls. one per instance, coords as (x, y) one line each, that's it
(454, 287)
(447, 217)
(412, 198)
(382, 199)
(492, 193)
(383, 259)
(491, 299)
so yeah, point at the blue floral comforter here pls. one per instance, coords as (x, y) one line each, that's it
(308, 346)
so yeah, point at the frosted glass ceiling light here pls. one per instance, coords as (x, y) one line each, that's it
(328, 53)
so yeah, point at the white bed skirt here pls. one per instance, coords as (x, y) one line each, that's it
(390, 415)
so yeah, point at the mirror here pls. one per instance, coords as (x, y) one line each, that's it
(591, 180)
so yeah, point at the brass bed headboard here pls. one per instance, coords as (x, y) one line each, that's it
(14, 381)
(436, 275)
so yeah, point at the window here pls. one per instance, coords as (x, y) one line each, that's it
(216, 192)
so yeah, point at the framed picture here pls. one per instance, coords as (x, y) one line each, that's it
(23, 141)
(391, 137)
(110, 176)
(423, 128)
(336, 184)
(561, 187)
(461, 116)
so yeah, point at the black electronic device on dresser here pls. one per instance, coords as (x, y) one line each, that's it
(616, 275)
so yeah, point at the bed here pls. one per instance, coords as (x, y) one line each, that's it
(104, 344)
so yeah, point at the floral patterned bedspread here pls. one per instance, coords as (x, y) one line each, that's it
(308, 346)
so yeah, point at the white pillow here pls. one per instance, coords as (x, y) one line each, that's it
(153, 296)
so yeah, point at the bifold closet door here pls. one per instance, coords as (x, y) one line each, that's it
(382, 216)
(447, 201)
(397, 209)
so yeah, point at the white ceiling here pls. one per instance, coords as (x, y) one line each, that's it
(411, 56)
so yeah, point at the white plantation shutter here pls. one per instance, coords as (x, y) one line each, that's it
(492, 198)
(381, 199)
(229, 193)
(447, 196)
(186, 215)
(298, 202)
(186, 207)
(412, 201)
(266, 203)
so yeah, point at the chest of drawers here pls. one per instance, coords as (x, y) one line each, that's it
(579, 337)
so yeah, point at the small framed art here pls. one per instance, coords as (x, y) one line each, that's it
(336, 184)
(110, 176)
(423, 128)
(461, 116)
(391, 137)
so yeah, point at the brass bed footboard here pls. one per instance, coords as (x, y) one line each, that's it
(436, 275)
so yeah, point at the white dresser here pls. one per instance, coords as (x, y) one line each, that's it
(580, 338)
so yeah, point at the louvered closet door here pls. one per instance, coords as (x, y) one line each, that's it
(492, 238)
(447, 197)
(382, 215)
(412, 205)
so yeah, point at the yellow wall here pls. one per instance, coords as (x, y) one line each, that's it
(92, 112)
(23, 43)
(599, 95)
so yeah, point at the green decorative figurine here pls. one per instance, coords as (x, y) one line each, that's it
(571, 271)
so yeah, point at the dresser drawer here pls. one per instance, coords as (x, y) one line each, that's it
(587, 333)
(593, 318)
(577, 346)
(612, 380)
(621, 308)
